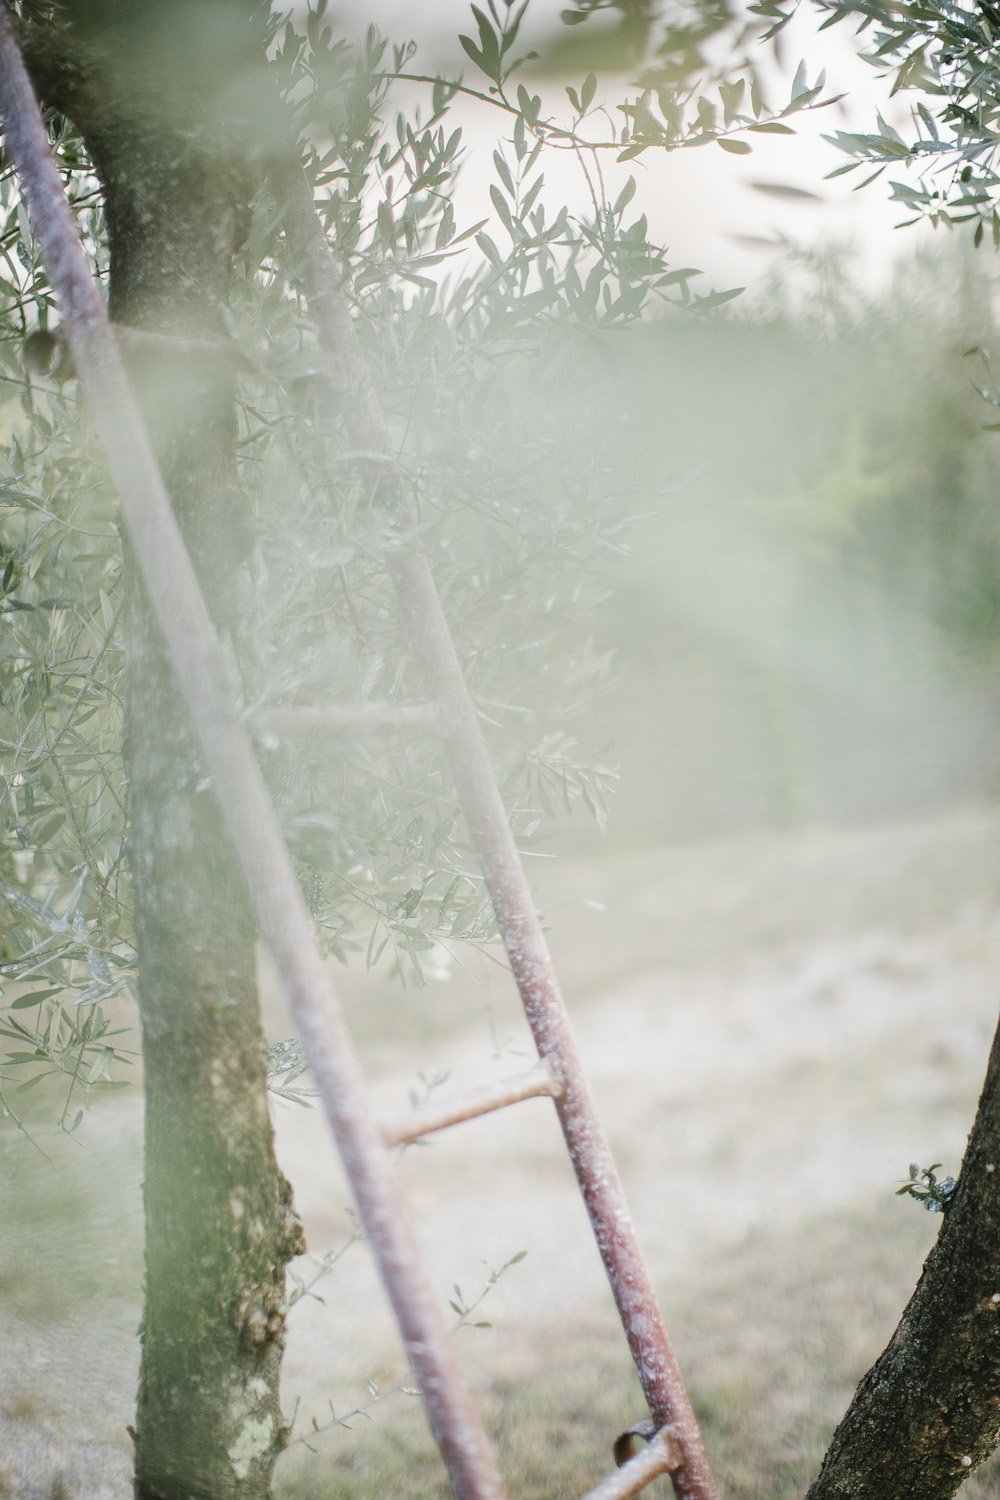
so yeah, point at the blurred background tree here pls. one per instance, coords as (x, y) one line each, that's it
(807, 623)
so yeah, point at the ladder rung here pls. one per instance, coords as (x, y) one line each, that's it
(537, 1082)
(295, 723)
(661, 1455)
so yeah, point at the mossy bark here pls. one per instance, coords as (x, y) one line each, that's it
(928, 1411)
(154, 89)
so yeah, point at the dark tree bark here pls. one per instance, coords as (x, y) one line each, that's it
(928, 1411)
(155, 91)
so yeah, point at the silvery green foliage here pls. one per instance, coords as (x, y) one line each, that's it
(286, 1064)
(698, 70)
(484, 341)
(63, 886)
(950, 55)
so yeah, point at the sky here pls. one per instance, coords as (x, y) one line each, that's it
(703, 204)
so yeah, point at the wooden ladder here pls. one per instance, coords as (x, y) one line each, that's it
(673, 1440)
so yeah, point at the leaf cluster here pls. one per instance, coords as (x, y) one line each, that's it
(483, 378)
(924, 1186)
(484, 340)
(949, 54)
(63, 805)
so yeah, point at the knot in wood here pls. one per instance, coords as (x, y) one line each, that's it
(259, 1319)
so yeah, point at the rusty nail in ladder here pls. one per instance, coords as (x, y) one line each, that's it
(194, 650)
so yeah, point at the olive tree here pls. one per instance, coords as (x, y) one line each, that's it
(928, 1412)
(176, 127)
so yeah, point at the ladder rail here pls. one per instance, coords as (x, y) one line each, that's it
(489, 828)
(195, 654)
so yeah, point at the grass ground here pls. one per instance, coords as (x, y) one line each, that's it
(773, 1342)
(775, 1026)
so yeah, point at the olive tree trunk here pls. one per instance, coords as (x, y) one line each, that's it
(928, 1411)
(154, 89)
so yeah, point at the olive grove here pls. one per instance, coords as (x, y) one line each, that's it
(182, 132)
